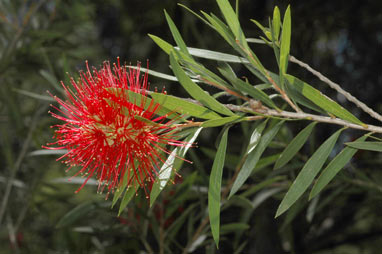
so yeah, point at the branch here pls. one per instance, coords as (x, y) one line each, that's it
(337, 87)
(266, 112)
(301, 115)
(18, 162)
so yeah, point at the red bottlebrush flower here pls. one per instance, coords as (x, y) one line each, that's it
(107, 133)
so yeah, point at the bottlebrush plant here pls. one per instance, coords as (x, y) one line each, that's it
(126, 136)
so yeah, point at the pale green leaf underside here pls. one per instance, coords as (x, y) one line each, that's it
(167, 168)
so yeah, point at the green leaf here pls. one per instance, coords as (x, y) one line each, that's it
(129, 193)
(34, 95)
(254, 92)
(265, 31)
(184, 107)
(196, 15)
(253, 158)
(217, 56)
(214, 189)
(178, 223)
(232, 21)
(166, 170)
(308, 173)
(275, 44)
(366, 145)
(51, 79)
(296, 96)
(276, 22)
(255, 40)
(76, 214)
(195, 91)
(163, 176)
(255, 188)
(158, 74)
(175, 33)
(221, 121)
(204, 73)
(165, 46)
(334, 167)
(233, 227)
(118, 192)
(294, 146)
(136, 98)
(322, 101)
(285, 41)
(244, 87)
(221, 28)
(255, 136)
(48, 152)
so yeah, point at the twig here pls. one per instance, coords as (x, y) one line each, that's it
(323, 119)
(307, 116)
(266, 112)
(337, 87)
(229, 91)
(281, 92)
(17, 165)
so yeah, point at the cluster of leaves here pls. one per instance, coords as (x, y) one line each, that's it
(292, 90)
(260, 168)
(296, 94)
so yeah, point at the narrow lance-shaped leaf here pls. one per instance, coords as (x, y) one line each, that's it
(232, 20)
(76, 214)
(221, 28)
(254, 92)
(167, 168)
(157, 74)
(266, 31)
(222, 121)
(285, 42)
(333, 168)
(322, 101)
(129, 193)
(184, 107)
(137, 99)
(276, 22)
(175, 33)
(214, 188)
(164, 45)
(366, 145)
(298, 97)
(195, 91)
(217, 56)
(253, 157)
(294, 146)
(118, 192)
(308, 173)
(255, 136)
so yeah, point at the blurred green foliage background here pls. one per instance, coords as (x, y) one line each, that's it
(41, 41)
